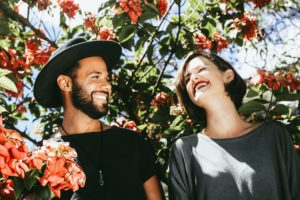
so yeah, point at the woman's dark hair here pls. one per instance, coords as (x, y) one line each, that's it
(236, 89)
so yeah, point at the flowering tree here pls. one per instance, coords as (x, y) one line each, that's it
(155, 35)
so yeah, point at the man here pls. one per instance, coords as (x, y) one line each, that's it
(119, 163)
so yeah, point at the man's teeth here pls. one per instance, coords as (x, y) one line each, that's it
(99, 96)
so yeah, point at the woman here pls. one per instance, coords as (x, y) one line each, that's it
(231, 159)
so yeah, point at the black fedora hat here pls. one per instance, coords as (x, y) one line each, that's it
(46, 90)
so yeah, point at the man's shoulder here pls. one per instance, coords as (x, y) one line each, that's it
(126, 132)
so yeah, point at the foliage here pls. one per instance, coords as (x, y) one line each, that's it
(155, 35)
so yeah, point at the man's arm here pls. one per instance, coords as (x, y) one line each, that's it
(152, 189)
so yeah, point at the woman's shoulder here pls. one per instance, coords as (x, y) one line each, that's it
(186, 142)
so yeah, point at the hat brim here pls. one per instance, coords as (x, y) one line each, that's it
(46, 90)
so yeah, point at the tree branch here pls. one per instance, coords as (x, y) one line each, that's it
(4, 7)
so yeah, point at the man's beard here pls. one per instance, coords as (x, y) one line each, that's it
(84, 102)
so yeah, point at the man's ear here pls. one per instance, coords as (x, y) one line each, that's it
(228, 75)
(64, 83)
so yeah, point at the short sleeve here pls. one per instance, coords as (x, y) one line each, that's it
(178, 181)
(292, 165)
(146, 159)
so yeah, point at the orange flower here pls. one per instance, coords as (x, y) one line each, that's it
(220, 41)
(106, 33)
(132, 8)
(7, 190)
(260, 3)
(247, 24)
(13, 152)
(131, 125)
(202, 42)
(68, 7)
(61, 173)
(90, 22)
(162, 6)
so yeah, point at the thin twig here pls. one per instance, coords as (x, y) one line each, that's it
(4, 7)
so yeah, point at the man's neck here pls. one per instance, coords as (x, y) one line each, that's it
(77, 122)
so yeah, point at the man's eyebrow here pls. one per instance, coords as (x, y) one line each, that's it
(94, 72)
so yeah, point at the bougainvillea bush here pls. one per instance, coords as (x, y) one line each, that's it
(155, 36)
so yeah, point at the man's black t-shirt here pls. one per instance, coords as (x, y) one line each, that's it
(126, 159)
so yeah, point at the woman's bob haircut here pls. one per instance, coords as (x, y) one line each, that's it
(236, 89)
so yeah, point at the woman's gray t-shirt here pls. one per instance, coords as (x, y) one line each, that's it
(260, 165)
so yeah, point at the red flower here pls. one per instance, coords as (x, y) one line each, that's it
(260, 3)
(220, 41)
(247, 25)
(162, 6)
(61, 170)
(131, 125)
(202, 42)
(161, 98)
(90, 22)
(7, 190)
(13, 152)
(277, 80)
(132, 8)
(68, 7)
(43, 4)
(106, 33)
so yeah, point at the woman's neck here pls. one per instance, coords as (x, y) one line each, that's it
(223, 120)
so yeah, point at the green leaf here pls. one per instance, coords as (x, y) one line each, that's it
(149, 11)
(253, 92)
(2, 109)
(251, 107)
(119, 20)
(30, 179)
(4, 30)
(210, 25)
(142, 126)
(7, 84)
(4, 72)
(127, 33)
(42, 193)
(18, 186)
(280, 109)
(288, 97)
(177, 121)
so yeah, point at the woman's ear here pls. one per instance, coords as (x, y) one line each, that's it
(64, 83)
(228, 75)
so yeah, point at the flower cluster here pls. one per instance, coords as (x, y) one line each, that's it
(13, 153)
(218, 42)
(257, 3)
(162, 6)
(12, 61)
(43, 4)
(106, 33)
(276, 80)
(260, 3)
(68, 7)
(176, 110)
(103, 32)
(34, 54)
(161, 98)
(61, 172)
(132, 8)
(7, 190)
(90, 22)
(124, 123)
(54, 162)
(247, 25)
